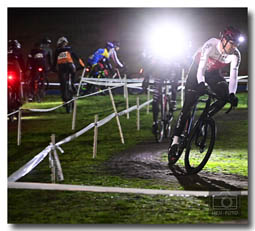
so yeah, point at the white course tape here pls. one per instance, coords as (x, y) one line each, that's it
(104, 83)
(45, 109)
(127, 110)
(146, 103)
(113, 80)
(75, 135)
(106, 119)
(66, 187)
(29, 165)
(39, 157)
(12, 113)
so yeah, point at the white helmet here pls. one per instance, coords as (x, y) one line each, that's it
(61, 40)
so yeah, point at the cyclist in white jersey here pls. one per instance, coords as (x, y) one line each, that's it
(114, 56)
(206, 67)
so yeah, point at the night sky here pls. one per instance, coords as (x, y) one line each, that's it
(89, 28)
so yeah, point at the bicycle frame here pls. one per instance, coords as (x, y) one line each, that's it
(202, 116)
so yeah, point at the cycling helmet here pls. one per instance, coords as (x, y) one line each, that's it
(46, 40)
(109, 45)
(233, 34)
(116, 43)
(62, 40)
(14, 44)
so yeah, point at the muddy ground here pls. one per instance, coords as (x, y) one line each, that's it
(145, 161)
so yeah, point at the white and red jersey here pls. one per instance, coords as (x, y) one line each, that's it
(210, 58)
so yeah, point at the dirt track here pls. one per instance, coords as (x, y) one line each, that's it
(144, 161)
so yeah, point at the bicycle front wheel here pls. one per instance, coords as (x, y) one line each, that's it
(200, 146)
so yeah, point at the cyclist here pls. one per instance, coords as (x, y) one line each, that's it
(100, 59)
(17, 64)
(64, 58)
(45, 45)
(36, 59)
(114, 56)
(207, 64)
(153, 70)
(15, 55)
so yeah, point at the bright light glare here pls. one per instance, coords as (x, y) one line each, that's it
(241, 39)
(167, 41)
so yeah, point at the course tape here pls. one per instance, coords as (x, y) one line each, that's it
(66, 187)
(135, 83)
(54, 108)
(12, 113)
(29, 166)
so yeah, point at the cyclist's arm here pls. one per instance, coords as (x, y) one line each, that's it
(77, 59)
(234, 66)
(206, 49)
(115, 59)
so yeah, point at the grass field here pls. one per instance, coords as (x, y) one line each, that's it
(34, 206)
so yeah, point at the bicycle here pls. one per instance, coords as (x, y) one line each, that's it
(163, 128)
(40, 85)
(197, 139)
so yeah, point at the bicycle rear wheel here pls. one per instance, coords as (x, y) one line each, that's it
(200, 146)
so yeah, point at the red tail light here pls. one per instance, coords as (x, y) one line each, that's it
(87, 69)
(40, 69)
(11, 76)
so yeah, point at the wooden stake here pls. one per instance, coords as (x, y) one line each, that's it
(117, 117)
(74, 114)
(95, 137)
(138, 114)
(148, 98)
(126, 89)
(56, 161)
(82, 75)
(19, 127)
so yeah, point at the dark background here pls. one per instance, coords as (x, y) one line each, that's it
(89, 28)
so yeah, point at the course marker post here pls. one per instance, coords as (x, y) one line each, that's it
(95, 137)
(126, 94)
(117, 116)
(138, 114)
(57, 166)
(148, 98)
(74, 113)
(19, 128)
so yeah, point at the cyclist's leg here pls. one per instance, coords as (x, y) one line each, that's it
(218, 85)
(190, 98)
(72, 70)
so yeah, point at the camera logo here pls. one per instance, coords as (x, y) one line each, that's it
(225, 203)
